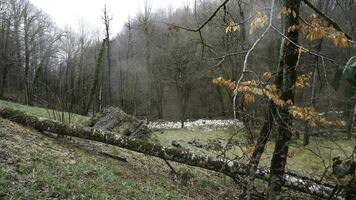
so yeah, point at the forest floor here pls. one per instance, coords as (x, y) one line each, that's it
(36, 166)
(309, 160)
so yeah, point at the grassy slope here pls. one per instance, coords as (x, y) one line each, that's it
(42, 112)
(307, 160)
(36, 166)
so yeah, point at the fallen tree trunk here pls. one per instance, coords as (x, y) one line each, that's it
(233, 169)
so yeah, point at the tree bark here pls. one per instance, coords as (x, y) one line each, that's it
(159, 96)
(221, 101)
(289, 60)
(27, 57)
(5, 58)
(80, 81)
(107, 21)
(350, 120)
(265, 131)
(233, 169)
(258, 151)
(96, 82)
(312, 103)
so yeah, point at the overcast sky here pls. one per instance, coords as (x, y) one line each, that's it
(69, 12)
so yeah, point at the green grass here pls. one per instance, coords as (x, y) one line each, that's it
(5, 181)
(87, 178)
(183, 136)
(309, 160)
(42, 112)
(39, 167)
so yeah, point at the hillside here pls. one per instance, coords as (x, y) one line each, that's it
(45, 166)
(36, 166)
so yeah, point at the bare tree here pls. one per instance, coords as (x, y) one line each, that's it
(95, 88)
(84, 44)
(5, 45)
(288, 62)
(107, 20)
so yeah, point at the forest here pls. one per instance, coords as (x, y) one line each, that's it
(252, 99)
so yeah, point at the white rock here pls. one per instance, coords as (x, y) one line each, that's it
(201, 124)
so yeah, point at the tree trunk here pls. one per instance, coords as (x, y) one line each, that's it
(107, 20)
(159, 103)
(4, 62)
(183, 111)
(258, 151)
(122, 88)
(3, 84)
(350, 120)
(244, 117)
(221, 101)
(67, 83)
(80, 82)
(135, 93)
(233, 169)
(312, 102)
(73, 99)
(315, 77)
(27, 61)
(183, 94)
(289, 60)
(265, 132)
(96, 82)
(109, 68)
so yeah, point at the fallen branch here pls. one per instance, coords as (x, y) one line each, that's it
(233, 169)
(170, 166)
(114, 157)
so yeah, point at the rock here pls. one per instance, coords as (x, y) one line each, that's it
(176, 144)
(197, 143)
(116, 120)
(212, 144)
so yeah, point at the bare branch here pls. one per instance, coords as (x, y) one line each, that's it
(332, 22)
(244, 69)
(205, 22)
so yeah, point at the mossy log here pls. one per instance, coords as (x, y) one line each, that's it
(233, 169)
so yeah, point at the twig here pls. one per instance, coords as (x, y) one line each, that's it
(204, 24)
(170, 166)
(248, 54)
(310, 52)
(228, 55)
(114, 157)
(332, 22)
